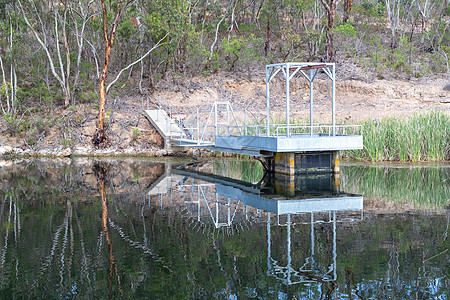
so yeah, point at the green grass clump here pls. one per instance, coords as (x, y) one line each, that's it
(421, 137)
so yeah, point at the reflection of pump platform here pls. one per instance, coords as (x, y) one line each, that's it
(213, 196)
(306, 194)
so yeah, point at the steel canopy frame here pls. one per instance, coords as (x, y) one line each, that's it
(289, 70)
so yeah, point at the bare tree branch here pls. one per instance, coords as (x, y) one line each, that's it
(136, 61)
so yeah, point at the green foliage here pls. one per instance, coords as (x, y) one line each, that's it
(423, 186)
(240, 52)
(372, 8)
(126, 30)
(15, 124)
(421, 137)
(296, 32)
(346, 29)
(135, 134)
(65, 142)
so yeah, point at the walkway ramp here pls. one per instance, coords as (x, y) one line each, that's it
(164, 184)
(167, 127)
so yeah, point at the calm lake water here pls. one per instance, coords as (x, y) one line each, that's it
(149, 229)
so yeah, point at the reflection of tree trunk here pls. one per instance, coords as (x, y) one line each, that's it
(348, 281)
(100, 174)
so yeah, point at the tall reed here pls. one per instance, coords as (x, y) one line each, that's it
(420, 137)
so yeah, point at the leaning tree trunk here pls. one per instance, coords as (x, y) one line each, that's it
(330, 36)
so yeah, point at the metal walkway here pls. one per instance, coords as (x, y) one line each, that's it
(219, 128)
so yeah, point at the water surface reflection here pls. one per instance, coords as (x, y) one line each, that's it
(140, 228)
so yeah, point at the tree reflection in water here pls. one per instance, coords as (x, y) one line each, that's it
(53, 228)
(100, 174)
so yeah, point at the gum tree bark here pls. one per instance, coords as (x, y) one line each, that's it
(347, 9)
(99, 135)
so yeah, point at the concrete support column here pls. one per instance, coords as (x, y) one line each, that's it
(335, 161)
(290, 163)
(284, 163)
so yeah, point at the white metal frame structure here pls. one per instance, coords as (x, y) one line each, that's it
(289, 71)
(218, 128)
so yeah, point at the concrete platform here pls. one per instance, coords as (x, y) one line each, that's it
(294, 143)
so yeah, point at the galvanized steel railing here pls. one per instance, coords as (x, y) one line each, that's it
(205, 133)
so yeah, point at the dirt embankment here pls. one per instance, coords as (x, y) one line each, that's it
(355, 99)
(69, 131)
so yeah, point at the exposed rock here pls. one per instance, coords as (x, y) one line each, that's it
(17, 151)
(45, 152)
(161, 152)
(81, 151)
(63, 153)
(28, 152)
(5, 150)
(5, 163)
(129, 150)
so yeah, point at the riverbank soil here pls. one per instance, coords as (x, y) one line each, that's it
(49, 132)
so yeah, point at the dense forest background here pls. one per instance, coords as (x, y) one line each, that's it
(53, 53)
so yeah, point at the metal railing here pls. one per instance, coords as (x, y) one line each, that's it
(205, 133)
(220, 120)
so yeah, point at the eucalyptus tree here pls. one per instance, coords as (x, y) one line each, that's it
(81, 13)
(9, 85)
(110, 26)
(330, 7)
(347, 9)
(120, 7)
(48, 25)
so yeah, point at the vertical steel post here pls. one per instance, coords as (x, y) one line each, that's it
(217, 210)
(198, 128)
(289, 248)
(312, 234)
(287, 101)
(268, 242)
(167, 126)
(215, 119)
(245, 121)
(157, 111)
(311, 71)
(228, 118)
(334, 245)
(198, 203)
(267, 100)
(333, 96)
(229, 212)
